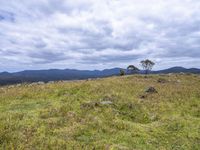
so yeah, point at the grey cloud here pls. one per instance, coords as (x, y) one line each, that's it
(103, 39)
(9, 52)
(109, 58)
(39, 43)
(84, 33)
(7, 16)
(44, 57)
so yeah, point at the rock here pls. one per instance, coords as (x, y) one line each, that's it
(66, 81)
(170, 74)
(37, 83)
(89, 105)
(89, 79)
(106, 103)
(18, 85)
(143, 96)
(162, 80)
(51, 82)
(11, 86)
(33, 84)
(40, 83)
(151, 90)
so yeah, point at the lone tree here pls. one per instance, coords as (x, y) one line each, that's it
(147, 65)
(122, 72)
(132, 69)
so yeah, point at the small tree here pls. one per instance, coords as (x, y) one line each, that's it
(122, 72)
(147, 65)
(132, 69)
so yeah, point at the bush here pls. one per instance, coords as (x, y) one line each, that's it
(122, 72)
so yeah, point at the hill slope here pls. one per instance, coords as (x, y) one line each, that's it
(179, 70)
(53, 75)
(72, 74)
(110, 113)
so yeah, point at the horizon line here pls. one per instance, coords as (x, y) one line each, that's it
(93, 69)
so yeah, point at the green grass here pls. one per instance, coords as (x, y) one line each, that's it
(69, 115)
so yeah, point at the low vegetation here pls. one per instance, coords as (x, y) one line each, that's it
(110, 113)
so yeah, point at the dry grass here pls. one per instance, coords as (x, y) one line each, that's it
(70, 115)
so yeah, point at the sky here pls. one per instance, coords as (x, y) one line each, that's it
(98, 34)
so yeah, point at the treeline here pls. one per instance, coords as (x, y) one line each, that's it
(147, 66)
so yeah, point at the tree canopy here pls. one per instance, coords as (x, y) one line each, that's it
(132, 68)
(147, 65)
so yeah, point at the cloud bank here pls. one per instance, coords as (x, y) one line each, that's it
(97, 34)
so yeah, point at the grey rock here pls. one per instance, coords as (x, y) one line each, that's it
(106, 102)
(11, 86)
(89, 79)
(40, 83)
(162, 80)
(151, 90)
(51, 82)
(170, 74)
(18, 85)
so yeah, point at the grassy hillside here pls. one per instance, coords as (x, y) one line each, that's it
(111, 113)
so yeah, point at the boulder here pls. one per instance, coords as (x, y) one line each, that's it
(162, 80)
(151, 90)
(40, 83)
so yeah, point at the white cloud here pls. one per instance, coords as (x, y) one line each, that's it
(94, 34)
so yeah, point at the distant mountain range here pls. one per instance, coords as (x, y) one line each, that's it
(178, 70)
(72, 74)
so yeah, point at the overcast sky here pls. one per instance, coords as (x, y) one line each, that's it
(98, 34)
